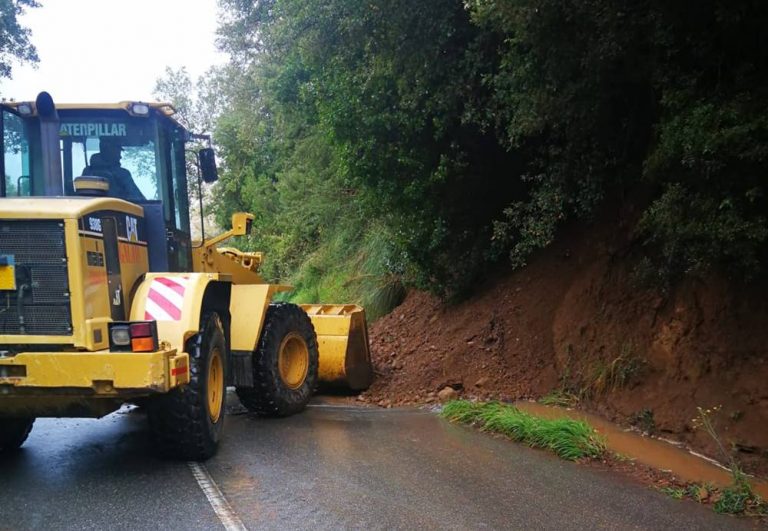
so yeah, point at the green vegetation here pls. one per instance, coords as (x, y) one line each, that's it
(598, 378)
(698, 492)
(569, 439)
(677, 493)
(14, 38)
(644, 420)
(737, 498)
(693, 491)
(388, 143)
(560, 398)
(616, 374)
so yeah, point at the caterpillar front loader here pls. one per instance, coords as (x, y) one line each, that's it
(104, 298)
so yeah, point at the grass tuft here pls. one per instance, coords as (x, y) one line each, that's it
(569, 439)
(559, 398)
(613, 375)
(677, 493)
(734, 500)
(739, 498)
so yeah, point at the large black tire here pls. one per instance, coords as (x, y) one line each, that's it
(184, 423)
(288, 332)
(13, 432)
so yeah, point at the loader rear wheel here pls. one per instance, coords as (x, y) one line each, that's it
(13, 432)
(187, 422)
(284, 364)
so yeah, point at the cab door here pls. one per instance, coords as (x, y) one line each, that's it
(176, 202)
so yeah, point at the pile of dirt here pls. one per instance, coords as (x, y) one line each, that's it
(573, 322)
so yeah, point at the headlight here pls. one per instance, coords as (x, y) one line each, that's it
(120, 335)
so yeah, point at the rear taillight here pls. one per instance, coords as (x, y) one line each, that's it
(143, 329)
(134, 336)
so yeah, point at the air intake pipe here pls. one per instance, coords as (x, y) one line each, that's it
(49, 137)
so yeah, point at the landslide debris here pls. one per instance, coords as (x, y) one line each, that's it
(575, 322)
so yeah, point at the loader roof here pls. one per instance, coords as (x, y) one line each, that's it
(163, 108)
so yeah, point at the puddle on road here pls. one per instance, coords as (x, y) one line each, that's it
(653, 452)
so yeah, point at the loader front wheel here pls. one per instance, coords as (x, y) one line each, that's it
(13, 432)
(284, 364)
(187, 422)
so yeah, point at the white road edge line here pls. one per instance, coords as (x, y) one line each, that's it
(219, 503)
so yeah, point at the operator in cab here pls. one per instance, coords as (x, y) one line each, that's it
(106, 163)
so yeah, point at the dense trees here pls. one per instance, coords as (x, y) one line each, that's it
(14, 38)
(393, 140)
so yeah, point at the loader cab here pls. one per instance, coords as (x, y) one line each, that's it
(137, 149)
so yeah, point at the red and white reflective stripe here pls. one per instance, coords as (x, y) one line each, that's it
(165, 299)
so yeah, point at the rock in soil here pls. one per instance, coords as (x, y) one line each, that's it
(482, 381)
(447, 393)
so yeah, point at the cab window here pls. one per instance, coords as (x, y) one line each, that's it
(17, 158)
(120, 148)
(143, 158)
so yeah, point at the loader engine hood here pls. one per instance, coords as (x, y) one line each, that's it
(67, 267)
(62, 207)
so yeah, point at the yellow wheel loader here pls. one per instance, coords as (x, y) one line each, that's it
(105, 299)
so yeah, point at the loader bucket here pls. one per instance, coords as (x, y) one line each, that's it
(342, 338)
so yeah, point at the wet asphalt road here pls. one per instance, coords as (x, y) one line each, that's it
(329, 468)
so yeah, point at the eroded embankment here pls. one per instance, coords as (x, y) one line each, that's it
(574, 320)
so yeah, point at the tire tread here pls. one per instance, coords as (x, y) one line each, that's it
(269, 397)
(179, 419)
(13, 432)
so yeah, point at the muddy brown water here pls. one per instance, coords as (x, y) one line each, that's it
(652, 452)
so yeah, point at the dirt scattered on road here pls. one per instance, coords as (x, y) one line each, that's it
(575, 321)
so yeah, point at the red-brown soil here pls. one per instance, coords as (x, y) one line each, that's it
(575, 319)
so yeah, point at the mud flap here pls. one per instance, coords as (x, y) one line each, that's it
(342, 338)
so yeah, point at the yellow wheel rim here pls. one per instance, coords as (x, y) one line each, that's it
(215, 385)
(293, 360)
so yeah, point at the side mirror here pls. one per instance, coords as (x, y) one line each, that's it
(208, 165)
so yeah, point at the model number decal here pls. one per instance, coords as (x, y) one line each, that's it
(128, 227)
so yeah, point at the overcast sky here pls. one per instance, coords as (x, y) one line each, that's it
(113, 50)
